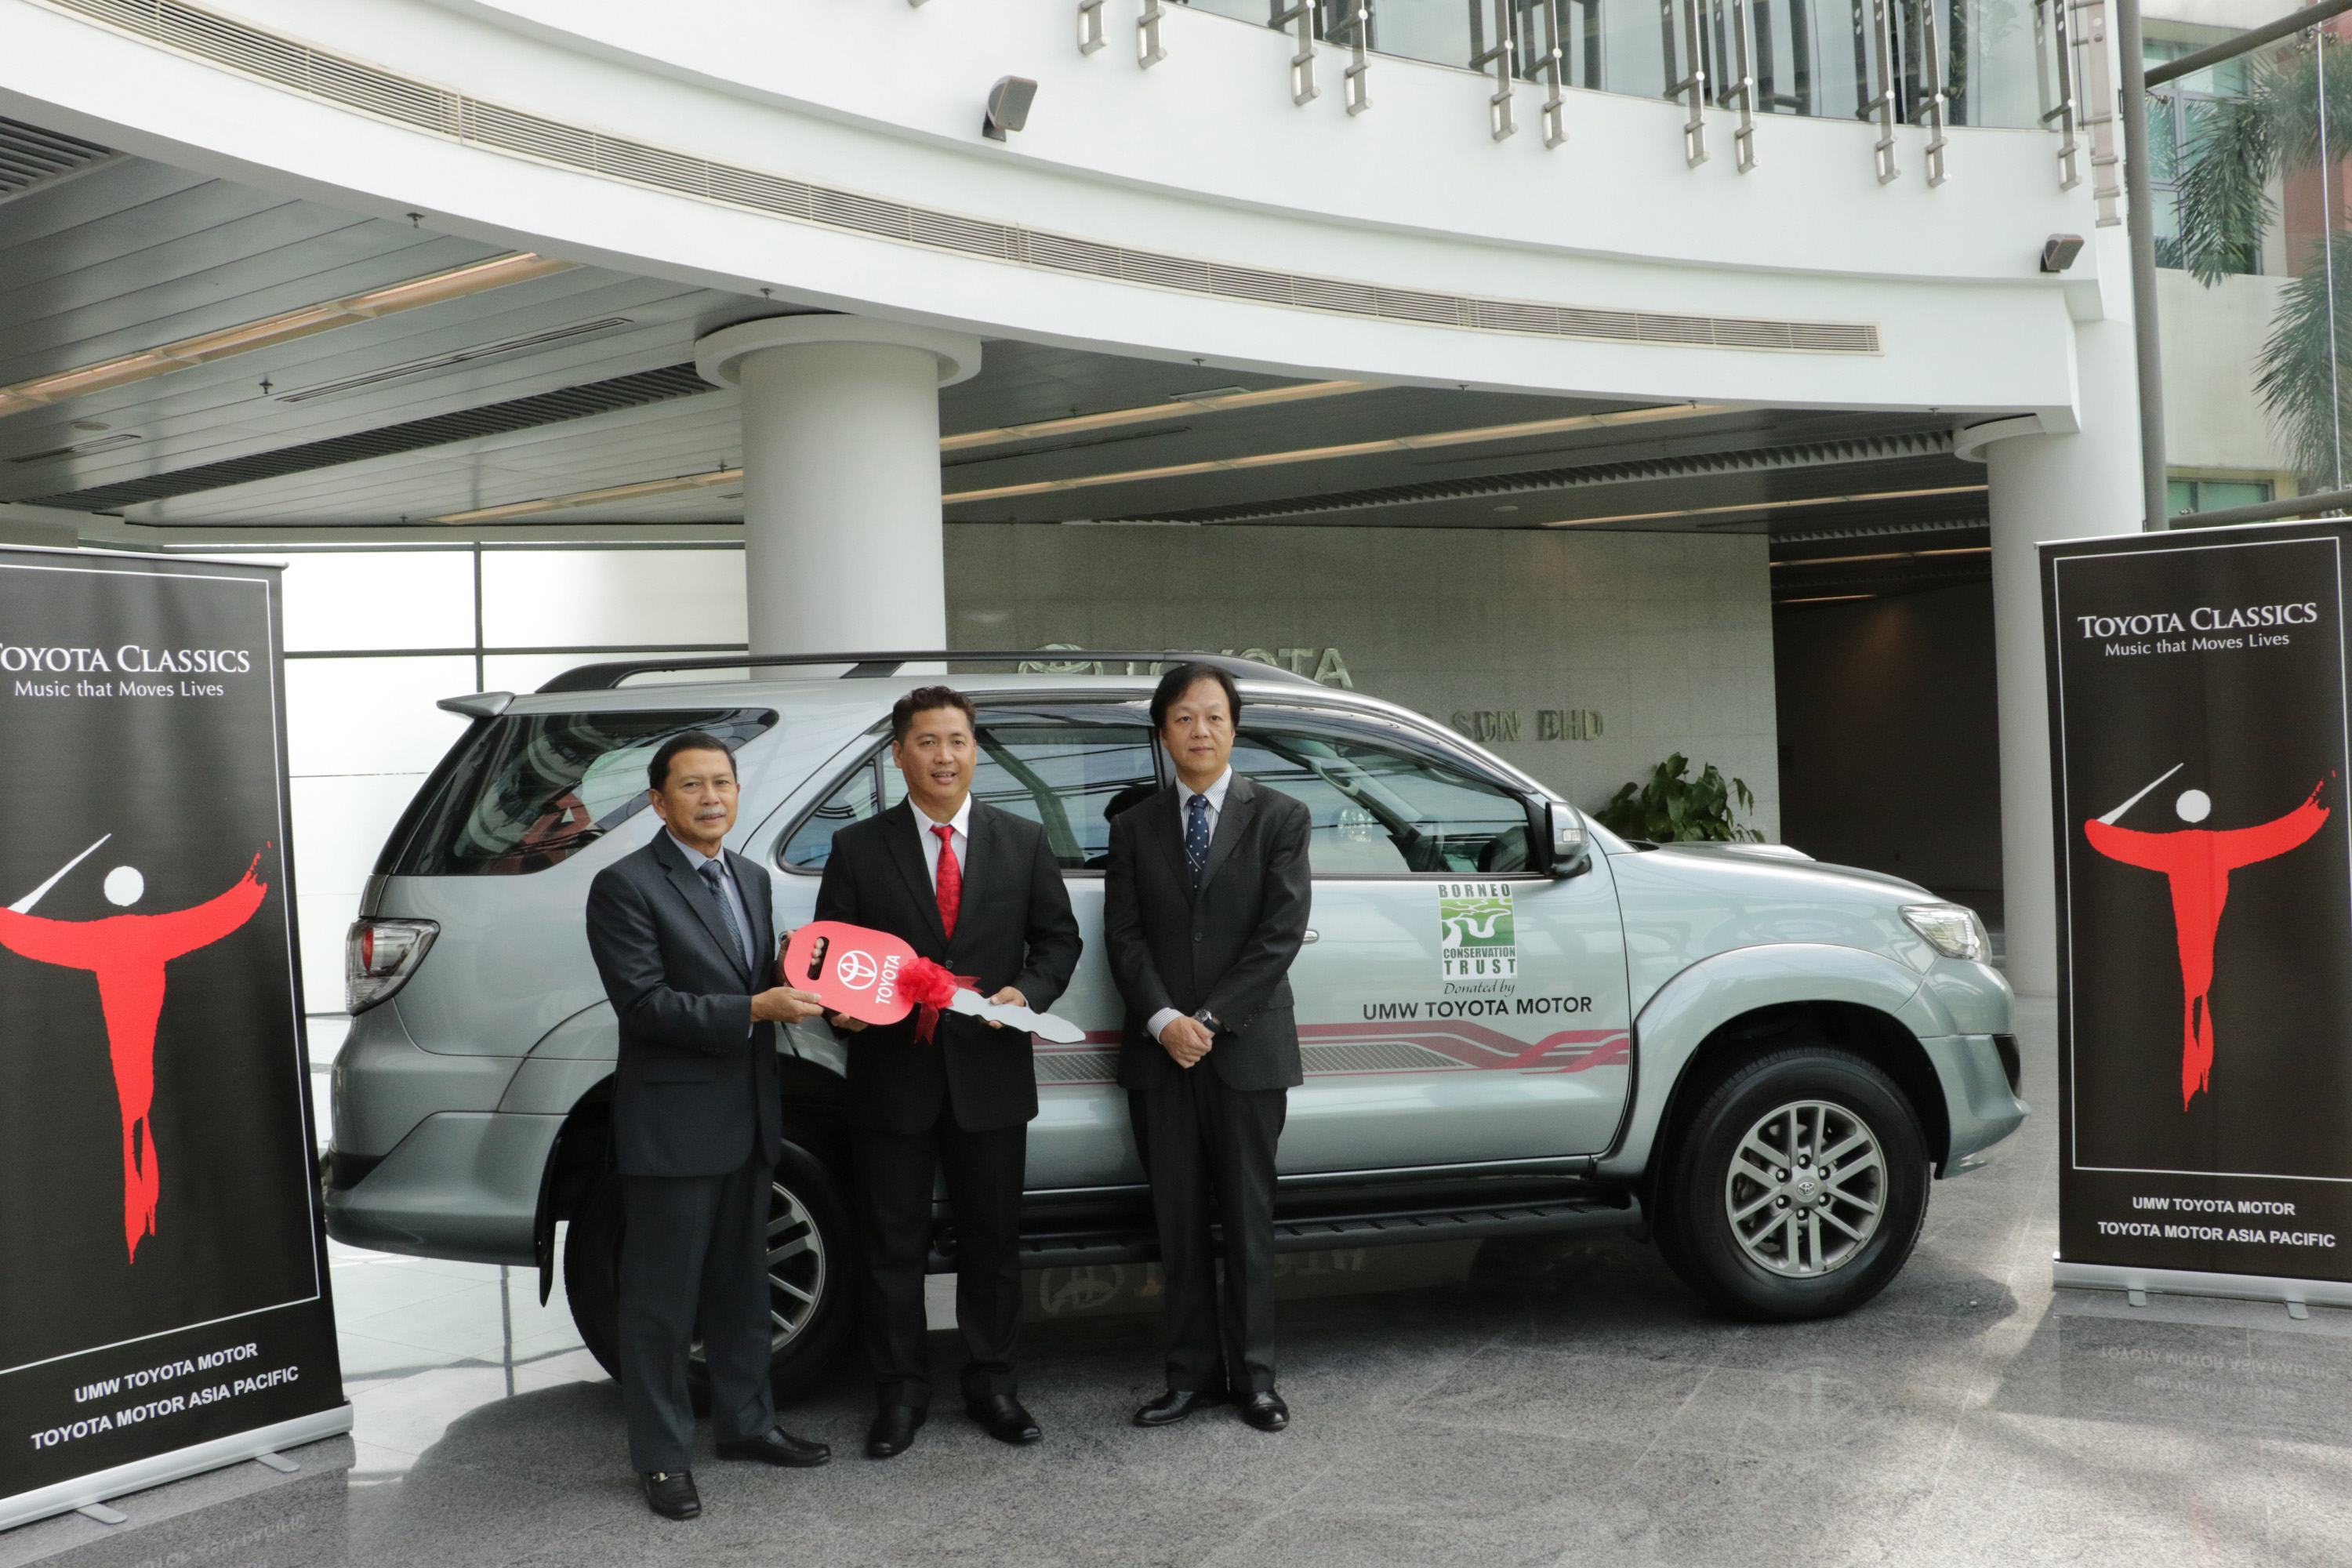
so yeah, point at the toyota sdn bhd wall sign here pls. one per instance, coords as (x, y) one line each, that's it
(2198, 738)
(164, 1299)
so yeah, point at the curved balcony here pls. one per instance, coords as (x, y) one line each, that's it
(1741, 213)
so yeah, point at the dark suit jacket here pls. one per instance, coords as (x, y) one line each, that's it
(1228, 949)
(1013, 927)
(695, 1090)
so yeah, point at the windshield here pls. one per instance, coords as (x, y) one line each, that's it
(521, 793)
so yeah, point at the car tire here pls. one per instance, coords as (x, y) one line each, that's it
(811, 1277)
(1751, 1216)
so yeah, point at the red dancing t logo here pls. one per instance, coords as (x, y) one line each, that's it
(2197, 862)
(128, 952)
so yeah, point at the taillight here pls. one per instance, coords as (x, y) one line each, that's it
(380, 956)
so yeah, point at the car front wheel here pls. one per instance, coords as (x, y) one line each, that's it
(809, 1281)
(1796, 1189)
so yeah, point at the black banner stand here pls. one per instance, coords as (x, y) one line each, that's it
(164, 1291)
(2199, 747)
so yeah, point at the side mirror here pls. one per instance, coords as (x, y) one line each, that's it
(1566, 847)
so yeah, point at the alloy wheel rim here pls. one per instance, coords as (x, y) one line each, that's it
(1806, 1189)
(798, 1266)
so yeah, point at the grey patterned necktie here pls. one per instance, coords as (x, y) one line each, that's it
(1196, 837)
(716, 876)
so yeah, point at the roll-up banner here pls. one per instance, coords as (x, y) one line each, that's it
(2198, 695)
(163, 1304)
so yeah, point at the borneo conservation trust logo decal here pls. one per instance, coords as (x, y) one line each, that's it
(1476, 938)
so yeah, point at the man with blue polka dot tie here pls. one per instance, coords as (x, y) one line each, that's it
(1205, 899)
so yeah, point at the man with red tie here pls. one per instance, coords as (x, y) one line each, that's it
(978, 890)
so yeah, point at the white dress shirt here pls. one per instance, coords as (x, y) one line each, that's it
(1215, 795)
(961, 823)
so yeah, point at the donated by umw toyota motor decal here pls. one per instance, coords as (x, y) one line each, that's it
(2197, 862)
(128, 953)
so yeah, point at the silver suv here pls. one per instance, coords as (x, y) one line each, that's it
(1513, 1022)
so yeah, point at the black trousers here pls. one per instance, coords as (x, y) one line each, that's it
(896, 1176)
(1208, 1150)
(694, 1259)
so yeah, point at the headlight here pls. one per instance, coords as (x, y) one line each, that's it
(380, 956)
(1952, 930)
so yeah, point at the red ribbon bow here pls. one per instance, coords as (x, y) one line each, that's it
(930, 987)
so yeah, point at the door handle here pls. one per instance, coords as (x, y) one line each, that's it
(1311, 935)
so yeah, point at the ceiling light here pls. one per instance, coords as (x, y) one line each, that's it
(597, 498)
(1486, 433)
(1826, 599)
(1842, 560)
(457, 357)
(1765, 506)
(1173, 471)
(1891, 555)
(206, 347)
(77, 449)
(1217, 400)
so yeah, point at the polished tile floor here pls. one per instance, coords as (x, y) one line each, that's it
(1563, 1404)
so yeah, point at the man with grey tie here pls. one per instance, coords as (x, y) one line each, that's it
(682, 934)
(1205, 900)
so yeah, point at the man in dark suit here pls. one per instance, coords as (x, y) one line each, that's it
(1204, 906)
(978, 890)
(682, 933)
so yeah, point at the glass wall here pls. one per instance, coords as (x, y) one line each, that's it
(1993, 58)
(374, 639)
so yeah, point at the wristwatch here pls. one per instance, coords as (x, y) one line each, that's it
(1208, 1020)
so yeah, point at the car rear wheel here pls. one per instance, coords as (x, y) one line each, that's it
(811, 1284)
(1796, 1189)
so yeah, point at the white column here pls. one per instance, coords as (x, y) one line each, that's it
(2046, 487)
(841, 478)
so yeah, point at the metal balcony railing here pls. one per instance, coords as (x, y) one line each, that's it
(1930, 64)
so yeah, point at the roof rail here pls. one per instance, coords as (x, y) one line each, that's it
(883, 666)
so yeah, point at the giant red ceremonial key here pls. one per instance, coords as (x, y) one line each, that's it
(874, 978)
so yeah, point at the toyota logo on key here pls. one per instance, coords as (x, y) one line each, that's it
(853, 970)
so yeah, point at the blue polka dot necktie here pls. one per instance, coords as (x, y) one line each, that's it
(1196, 837)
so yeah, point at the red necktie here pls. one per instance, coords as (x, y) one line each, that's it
(950, 879)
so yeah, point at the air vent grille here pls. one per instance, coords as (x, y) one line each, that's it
(1764, 459)
(493, 419)
(31, 156)
(241, 47)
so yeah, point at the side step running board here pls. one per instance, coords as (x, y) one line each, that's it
(1070, 1249)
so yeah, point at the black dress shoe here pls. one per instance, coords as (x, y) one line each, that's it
(1002, 1418)
(777, 1446)
(893, 1432)
(1265, 1411)
(671, 1494)
(1177, 1404)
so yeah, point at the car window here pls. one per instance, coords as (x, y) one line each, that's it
(857, 798)
(1381, 808)
(523, 791)
(1070, 778)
